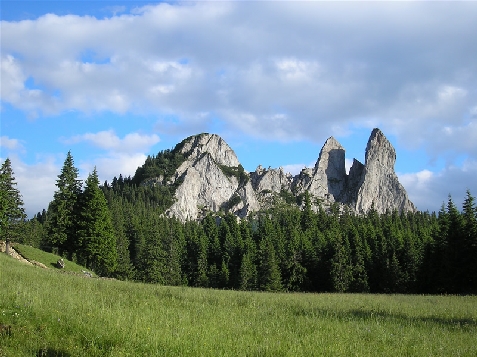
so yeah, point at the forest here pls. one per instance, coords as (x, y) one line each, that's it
(119, 230)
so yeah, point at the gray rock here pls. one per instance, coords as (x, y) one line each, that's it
(211, 180)
(378, 185)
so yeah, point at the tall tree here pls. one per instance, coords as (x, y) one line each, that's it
(269, 278)
(62, 214)
(97, 243)
(11, 210)
(341, 263)
(469, 259)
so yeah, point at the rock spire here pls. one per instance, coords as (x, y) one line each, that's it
(213, 180)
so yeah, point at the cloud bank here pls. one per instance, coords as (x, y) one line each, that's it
(271, 70)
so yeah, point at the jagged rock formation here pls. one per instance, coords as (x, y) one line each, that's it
(377, 183)
(212, 179)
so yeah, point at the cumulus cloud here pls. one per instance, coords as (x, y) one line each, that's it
(428, 190)
(272, 70)
(264, 68)
(10, 144)
(121, 156)
(113, 164)
(36, 182)
(108, 140)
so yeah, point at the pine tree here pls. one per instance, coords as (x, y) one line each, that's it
(62, 214)
(269, 277)
(295, 272)
(341, 265)
(360, 277)
(97, 243)
(125, 269)
(248, 268)
(469, 259)
(456, 247)
(307, 217)
(11, 210)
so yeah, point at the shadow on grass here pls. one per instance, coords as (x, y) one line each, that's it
(50, 352)
(367, 315)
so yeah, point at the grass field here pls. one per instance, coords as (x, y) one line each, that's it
(52, 314)
(48, 259)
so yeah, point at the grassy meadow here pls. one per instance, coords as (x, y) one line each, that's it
(48, 259)
(44, 313)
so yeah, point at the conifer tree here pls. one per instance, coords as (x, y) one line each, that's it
(295, 272)
(201, 277)
(341, 265)
(456, 248)
(125, 269)
(269, 277)
(62, 211)
(248, 268)
(469, 260)
(96, 240)
(11, 210)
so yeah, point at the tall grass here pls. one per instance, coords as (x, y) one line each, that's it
(53, 314)
(48, 259)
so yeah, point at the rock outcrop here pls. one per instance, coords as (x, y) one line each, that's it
(212, 179)
(377, 183)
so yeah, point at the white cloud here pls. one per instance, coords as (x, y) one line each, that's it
(274, 70)
(428, 190)
(122, 156)
(36, 182)
(348, 164)
(108, 140)
(294, 169)
(10, 144)
(113, 164)
(318, 64)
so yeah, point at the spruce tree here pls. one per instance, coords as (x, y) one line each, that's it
(456, 248)
(269, 276)
(469, 260)
(248, 268)
(97, 243)
(341, 264)
(11, 210)
(62, 214)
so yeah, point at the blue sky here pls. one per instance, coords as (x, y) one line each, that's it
(114, 81)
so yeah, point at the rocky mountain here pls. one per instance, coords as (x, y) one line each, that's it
(211, 178)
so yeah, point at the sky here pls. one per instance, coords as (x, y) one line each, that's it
(115, 81)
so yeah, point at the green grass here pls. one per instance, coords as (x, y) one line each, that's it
(48, 259)
(53, 314)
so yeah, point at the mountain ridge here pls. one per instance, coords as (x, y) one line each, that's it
(210, 178)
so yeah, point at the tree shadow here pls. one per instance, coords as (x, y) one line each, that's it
(371, 314)
(51, 352)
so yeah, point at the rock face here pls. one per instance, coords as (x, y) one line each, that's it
(377, 183)
(207, 185)
(212, 179)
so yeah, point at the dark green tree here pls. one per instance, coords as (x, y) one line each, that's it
(12, 213)
(248, 268)
(469, 258)
(341, 263)
(269, 275)
(96, 240)
(62, 212)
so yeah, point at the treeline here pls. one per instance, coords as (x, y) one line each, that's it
(282, 249)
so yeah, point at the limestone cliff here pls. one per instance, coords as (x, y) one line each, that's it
(212, 179)
(377, 183)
